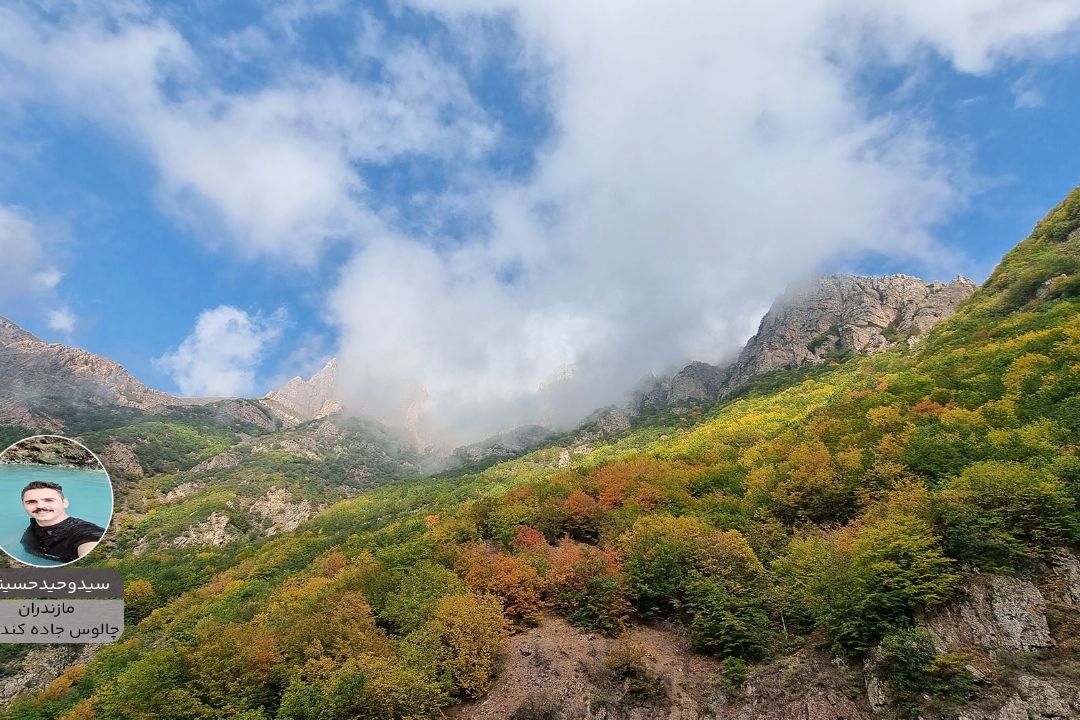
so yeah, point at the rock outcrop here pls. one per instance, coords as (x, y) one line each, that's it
(221, 461)
(40, 666)
(182, 491)
(50, 450)
(804, 685)
(1034, 699)
(301, 400)
(216, 530)
(121, 461)
(246, 412)
(281, 510)
(42, 380)
(993, 612)
(835, 315)
(1066, 574)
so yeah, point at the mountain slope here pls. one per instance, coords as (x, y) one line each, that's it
(835, 510)
(47, 382)
(832, 316)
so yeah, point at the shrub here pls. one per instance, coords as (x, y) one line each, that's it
(587, 584)
(461, 641)
(913, 669)
(537, 706)
(626, 667)
(420, 591)
(1003, 516)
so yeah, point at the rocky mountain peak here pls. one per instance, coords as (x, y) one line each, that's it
(846, 313)
(41, 378)
(830, 316)
(12, 333)
(300, 400)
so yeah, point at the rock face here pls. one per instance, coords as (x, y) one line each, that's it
(49, 450)
(841, 313)
(248, 412)
(42, 378)
(283, 513)
(215, 530)
(40, 666)
(301, 400)
(1034, 699)
(121, 461)
(834, 315)
(698, 382)
(805, 685)
(994, 612)
(1067, 575)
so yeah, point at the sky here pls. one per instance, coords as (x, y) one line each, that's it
(496, 212)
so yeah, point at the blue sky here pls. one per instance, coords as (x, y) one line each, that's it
(495, 211)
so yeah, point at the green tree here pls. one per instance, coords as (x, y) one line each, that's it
(897, 566)
(1003, 515)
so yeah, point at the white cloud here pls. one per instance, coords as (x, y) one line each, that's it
(268, 171)
(21, 250)
(29, 281)
(703, 156)
(706, 155)
(62, 320)
(48, 279)
(221, 355)
(1026, 93)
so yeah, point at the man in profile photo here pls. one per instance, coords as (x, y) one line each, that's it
(53, 534)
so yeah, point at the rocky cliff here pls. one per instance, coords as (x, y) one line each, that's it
(301, 400)
(43, 381)
(49, 450)
(830, 317)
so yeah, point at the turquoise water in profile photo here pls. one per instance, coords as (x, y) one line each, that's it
(88, 492)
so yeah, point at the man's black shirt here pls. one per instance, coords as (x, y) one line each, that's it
(62, 540)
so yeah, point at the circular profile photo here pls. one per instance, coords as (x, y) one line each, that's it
(55, 500)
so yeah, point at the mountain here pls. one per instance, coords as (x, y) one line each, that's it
(888, 535)
(830, 317)
(822, 320)
(44, 383)
(302, 400)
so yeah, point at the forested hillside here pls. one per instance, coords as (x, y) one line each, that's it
(833, 508)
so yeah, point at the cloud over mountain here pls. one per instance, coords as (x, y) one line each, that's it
(694, 159)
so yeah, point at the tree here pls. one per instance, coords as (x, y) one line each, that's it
(461, 642)
(587, 584)
(420, 591)
(514, 581)
(1003, 515)
(660, 552)
(897, 566)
